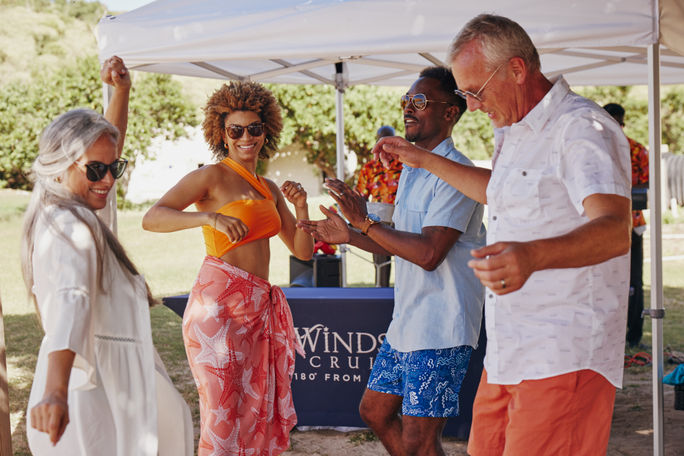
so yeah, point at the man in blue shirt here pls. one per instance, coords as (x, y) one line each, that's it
(438, 300)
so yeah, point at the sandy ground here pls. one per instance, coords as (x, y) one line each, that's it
(631, 433)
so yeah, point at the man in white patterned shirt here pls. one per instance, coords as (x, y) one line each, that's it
(556, 264)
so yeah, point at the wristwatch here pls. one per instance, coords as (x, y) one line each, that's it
(370, 220)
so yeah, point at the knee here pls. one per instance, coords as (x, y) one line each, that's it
(369, 414)
(375, 417)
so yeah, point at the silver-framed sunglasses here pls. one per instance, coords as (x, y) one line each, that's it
(477, 95)
(419, 101)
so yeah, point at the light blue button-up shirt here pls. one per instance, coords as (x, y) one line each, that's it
(440, 308)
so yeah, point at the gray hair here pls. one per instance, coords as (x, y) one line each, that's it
(500, 39)
(62, 143)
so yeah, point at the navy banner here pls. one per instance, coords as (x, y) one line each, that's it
(341, 330)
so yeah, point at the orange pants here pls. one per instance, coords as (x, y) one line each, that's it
(567, 414)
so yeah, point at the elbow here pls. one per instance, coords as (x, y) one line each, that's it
(431, 260)
(305, 257)
(623, 239)
(304, 254)
(148, 221)
(626, 244)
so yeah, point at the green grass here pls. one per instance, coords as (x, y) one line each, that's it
(170, 262)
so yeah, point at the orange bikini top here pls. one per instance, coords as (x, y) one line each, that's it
(260, 216)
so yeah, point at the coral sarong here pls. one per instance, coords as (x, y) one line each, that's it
(240, 342)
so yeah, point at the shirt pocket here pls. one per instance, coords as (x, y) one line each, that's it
(520, 196)
(409, 217)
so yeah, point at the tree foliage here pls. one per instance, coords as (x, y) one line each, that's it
(157, 108)
(636, 112)
(309, 119)
(672, 114)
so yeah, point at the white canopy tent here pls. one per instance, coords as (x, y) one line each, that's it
(387, 42)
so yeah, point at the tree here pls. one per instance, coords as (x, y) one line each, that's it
(157, 108)
(672, 115)
(309, 119)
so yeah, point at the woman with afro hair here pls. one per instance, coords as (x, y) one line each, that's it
(237, 327)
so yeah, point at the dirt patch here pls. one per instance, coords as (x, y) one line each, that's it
(631, 432)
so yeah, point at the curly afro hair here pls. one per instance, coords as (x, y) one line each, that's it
(241, 96)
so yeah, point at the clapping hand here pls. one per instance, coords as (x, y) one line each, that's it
(351, 203)
(333, 229)
(294, 193)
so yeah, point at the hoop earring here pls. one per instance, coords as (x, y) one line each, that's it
(225, 146)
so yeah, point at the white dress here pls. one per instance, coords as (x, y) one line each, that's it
(121, 400)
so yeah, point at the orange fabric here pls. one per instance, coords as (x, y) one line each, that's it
(240, 343)
(377, 183)
(568, 414)
(260, 216)
(639, 155)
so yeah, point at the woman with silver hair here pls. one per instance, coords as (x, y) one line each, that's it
(99, 386)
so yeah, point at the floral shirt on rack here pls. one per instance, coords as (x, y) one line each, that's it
(639, 155)
(377, 183)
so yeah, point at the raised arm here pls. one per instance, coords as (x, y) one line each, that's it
(115, 73)
(426, 249)
(469, 180)
(299, 241)
(334, 230)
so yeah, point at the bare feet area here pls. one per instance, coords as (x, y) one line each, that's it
(631, 433)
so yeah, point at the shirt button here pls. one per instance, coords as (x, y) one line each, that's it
(491, 296)
(493, 217)
(524, 173)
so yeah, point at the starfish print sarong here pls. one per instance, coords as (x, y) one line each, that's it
(240, 342)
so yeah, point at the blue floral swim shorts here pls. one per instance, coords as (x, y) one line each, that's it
(428, 380)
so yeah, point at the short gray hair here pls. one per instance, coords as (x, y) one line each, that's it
(500, 39)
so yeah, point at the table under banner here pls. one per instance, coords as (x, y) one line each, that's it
(341, 330)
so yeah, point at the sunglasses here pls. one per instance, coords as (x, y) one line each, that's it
(236, 131)
(419, 101)
(96, 171)
(477, 95)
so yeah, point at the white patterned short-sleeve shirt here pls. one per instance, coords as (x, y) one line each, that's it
(562, 320)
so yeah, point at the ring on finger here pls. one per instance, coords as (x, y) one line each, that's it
(503, 283)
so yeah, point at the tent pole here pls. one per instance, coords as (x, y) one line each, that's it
(108, 213)
(339, 121)
(656, 311)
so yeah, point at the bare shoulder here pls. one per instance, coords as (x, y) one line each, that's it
(272, 186)
(213, 174)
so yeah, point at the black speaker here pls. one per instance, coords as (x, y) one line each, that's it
(639, 199)
(320, 271)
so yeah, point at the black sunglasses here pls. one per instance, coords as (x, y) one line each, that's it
(236, 131)
(419, 101)
(96, 170)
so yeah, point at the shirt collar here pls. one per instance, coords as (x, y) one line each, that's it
(540, 114)
(444, 147)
